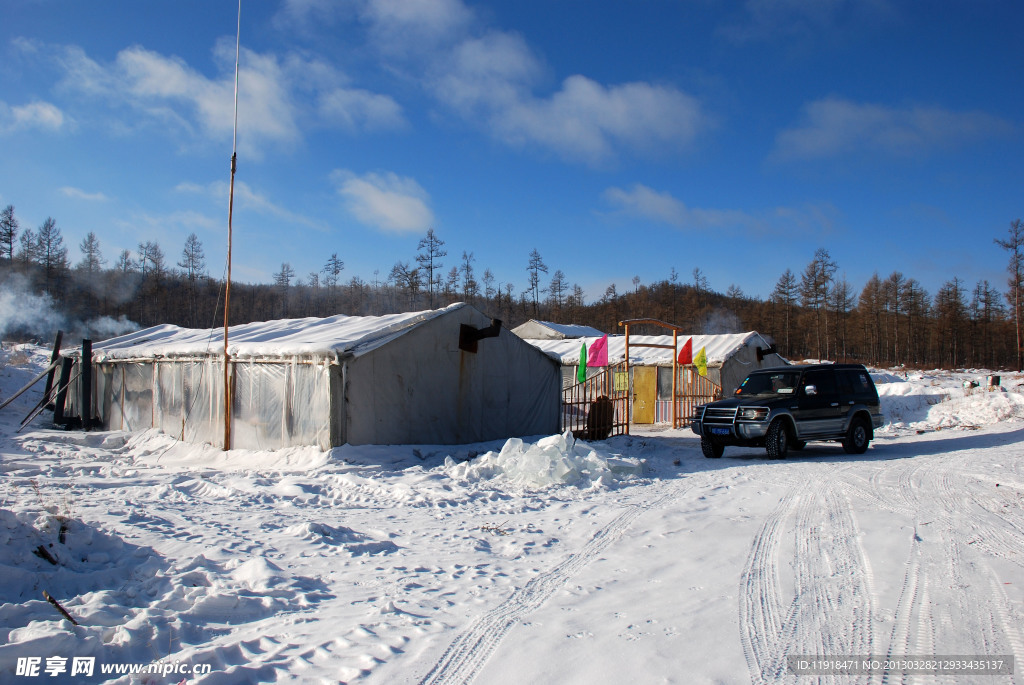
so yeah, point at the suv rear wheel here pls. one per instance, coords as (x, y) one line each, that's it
(857, 438)
(777, 440)
(711, 449)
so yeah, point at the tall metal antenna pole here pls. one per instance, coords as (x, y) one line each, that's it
(231, 211)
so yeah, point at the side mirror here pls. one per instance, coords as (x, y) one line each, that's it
(811, 390)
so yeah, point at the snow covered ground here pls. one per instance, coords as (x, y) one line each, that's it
(630, 560)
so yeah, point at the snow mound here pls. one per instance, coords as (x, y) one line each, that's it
(50, 551)
(555, 460)
(936, 400)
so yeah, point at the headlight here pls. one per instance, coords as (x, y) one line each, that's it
(753, 414)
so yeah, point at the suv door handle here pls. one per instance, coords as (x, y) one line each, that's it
(835, 404)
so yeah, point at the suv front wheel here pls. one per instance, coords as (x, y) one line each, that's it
(777, 440)
(711, 449)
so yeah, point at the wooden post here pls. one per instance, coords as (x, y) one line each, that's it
(86, 384)
(629, 386)
(62, 391)
(54, 356)
(675, 372)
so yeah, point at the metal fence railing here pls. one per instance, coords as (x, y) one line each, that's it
(598, 407)
(693, 390)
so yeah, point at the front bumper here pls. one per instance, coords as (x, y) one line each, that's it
(742, 430)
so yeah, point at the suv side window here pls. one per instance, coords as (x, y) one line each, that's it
(855, 383)
(824, 381)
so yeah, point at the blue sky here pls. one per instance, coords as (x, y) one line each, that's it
(620, 140)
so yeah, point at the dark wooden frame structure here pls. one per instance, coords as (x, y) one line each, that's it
(580, 400)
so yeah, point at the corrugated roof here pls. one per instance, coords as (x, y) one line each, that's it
(717, 347)
(307, 337)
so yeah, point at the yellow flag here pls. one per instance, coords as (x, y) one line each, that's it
(700, 360)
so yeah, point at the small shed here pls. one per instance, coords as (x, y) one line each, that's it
(731, 357)
(446, 376)
(547, 330)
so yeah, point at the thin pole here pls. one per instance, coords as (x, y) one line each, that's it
(231, 211)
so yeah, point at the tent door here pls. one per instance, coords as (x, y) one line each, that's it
(645, 393)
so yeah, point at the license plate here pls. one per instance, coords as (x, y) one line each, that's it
(720, 431)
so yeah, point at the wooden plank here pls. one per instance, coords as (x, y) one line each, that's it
(30, 384)
(58, 391)
(62, 388)
(85, 372)
(54, 357)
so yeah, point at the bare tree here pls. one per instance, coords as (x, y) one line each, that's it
(488, 280)
(470, 288)
(28, 247)
(92, 260)
(1014, 244)
(193, 260)
(557, 289)
(8, 231)
(51, 253)
(535, 268)
(785, 296)
(332, 270)
(894, 290)
(814, 288)
(429, 258)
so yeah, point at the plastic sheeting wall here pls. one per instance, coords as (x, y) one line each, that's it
(422, 389)
(275, 404)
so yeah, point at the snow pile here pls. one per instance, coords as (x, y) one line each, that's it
(554, 460)
(153, 448)
(936, 400)
(51, 552)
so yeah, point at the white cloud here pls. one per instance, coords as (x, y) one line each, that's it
(591, 122)
(385, 200)
(643, 202)
(278, 96)
(405, 26)
(354, 109)
(79, 194)
(493, 78)
(248, 199)
(833, 126)
(784, 19)
(34, 115)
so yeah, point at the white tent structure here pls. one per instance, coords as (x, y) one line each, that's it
(447, 376)
(730, 357)
(548, 330)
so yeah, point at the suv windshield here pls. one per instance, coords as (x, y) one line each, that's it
(778, 383)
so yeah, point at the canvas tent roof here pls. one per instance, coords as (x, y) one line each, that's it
(548, 330)
(334, 336)
(717, 347)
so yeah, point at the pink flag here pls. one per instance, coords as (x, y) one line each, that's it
(686, 354)
(598, 353)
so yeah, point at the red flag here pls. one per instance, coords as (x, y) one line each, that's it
(598, 353)
(686, 354)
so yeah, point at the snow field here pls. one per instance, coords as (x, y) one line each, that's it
(542, 560)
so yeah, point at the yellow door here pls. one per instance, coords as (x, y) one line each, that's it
(645, 393)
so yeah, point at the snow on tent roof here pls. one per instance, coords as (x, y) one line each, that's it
(717, 347)
(308, 337)
(570, 330)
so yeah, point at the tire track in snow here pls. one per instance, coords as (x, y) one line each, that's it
(831, 608)
(760, 605)
(907, 607)
(470, 650)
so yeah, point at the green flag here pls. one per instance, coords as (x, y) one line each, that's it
(581, 370)
(701, 362)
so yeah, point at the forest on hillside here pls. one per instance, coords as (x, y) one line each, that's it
(811, 313)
